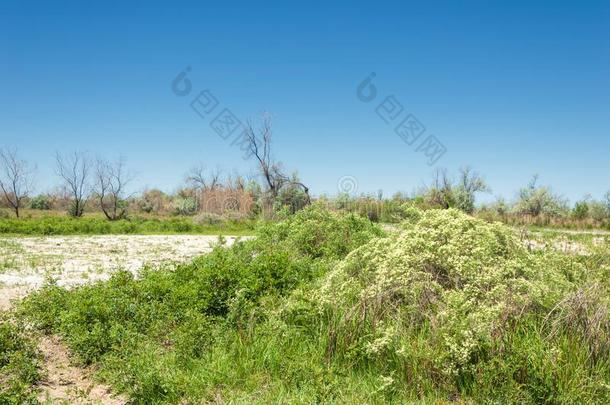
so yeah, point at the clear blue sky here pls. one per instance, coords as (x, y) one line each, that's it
(511, 88)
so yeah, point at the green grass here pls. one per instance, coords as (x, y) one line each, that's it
(62, 225)
(19, 363)
(327, 308)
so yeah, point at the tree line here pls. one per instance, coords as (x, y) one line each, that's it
(104, 183)
(82, 179)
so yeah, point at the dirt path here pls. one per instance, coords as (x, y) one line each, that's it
(67, 384)
(64, 383)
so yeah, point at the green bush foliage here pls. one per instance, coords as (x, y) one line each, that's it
(136, 328)
(581, 210)
(40, 202)
(184, 206)
(324, 307)
(19, 364)
(537, 200)
(448, 296)
(75, 209)
(374, 208)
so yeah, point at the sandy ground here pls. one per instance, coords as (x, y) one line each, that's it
(26, 262)
(68, 384)
(562, 246)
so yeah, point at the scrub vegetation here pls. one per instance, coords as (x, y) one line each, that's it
(325, 307)
(19, 363)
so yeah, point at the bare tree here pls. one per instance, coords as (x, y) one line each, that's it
(236, 181)
(259, 146)
(15, 179)
(74, 170)
(202, 179)
(440, 192)
(215, 178)
(111, 180)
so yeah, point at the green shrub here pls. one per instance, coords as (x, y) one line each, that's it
(40, 202)
(19, 364)
(447, 298)
(538, 200)
(75, 209)
(292, 197)
(581, 210)
(316, 232)
(208, 218)
(598, 211)
(136, 328)
(184, 206)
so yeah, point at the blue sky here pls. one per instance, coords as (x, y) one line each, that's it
(510, 88)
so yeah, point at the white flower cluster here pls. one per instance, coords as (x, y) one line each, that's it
(456, 277)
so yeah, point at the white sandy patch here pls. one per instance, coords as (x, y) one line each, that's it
(72, 260)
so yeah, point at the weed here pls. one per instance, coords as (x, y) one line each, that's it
(19, 363)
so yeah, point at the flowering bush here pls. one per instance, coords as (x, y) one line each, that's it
(460, 281)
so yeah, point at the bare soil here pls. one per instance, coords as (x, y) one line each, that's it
(73, 260)
(68, 384)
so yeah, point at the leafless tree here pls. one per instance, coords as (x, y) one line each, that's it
(202, 179)
(74, 170)
(196, 177)
(235, 181)
(259, 146)
(111, 180)
(15, 179)
(441, 191)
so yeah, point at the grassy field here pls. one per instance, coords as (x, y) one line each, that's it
(95, 225)
(328, 308)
